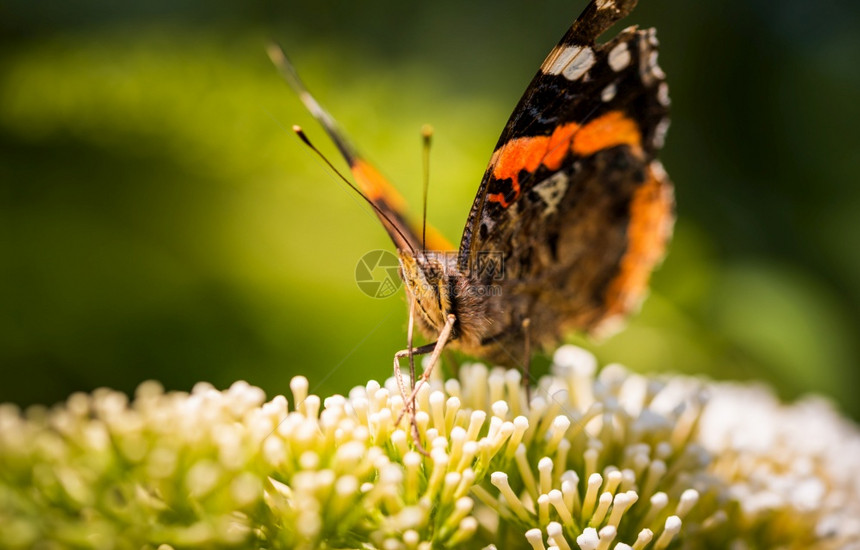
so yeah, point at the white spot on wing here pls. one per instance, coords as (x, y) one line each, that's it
(655, 68)
(649, 70)
(660, 133)
(652, 37)
(551, 191)
(604, 4)
(608, 93)
(663, 94)
(658, 170)
(619, 57)
(570, 61)
(579, 65)
(558, 59)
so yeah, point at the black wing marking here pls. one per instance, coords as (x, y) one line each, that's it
(579, 81)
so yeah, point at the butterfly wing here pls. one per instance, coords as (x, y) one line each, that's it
(573, 200)
(387, 202)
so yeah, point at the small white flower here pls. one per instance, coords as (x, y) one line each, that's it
(599, 459)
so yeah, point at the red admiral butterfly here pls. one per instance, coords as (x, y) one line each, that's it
(572, 214)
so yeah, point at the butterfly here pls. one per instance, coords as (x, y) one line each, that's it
(573, 212)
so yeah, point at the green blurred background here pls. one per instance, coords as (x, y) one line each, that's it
(159, 220)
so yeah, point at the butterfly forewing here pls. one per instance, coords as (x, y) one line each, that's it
(573, 199)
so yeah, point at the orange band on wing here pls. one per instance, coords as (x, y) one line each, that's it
(605, 131)
(648, 232)
(559, 144)
(529, 153)
(375, 186)
(499, 198)
(380, 192)
(437, 241)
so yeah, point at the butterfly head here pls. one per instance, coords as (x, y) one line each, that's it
(430, 281)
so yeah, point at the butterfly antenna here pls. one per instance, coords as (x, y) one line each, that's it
(301, 133)
(282, 63)
(426, 136)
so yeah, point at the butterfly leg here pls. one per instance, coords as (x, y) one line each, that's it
(410, 332)
(436, 349)
(398, 375)
(409, 399)
(412, 352)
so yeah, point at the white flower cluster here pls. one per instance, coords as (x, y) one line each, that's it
(792, 469)
(608, 465)
(596, 460)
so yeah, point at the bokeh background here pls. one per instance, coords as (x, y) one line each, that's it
(159, 220)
